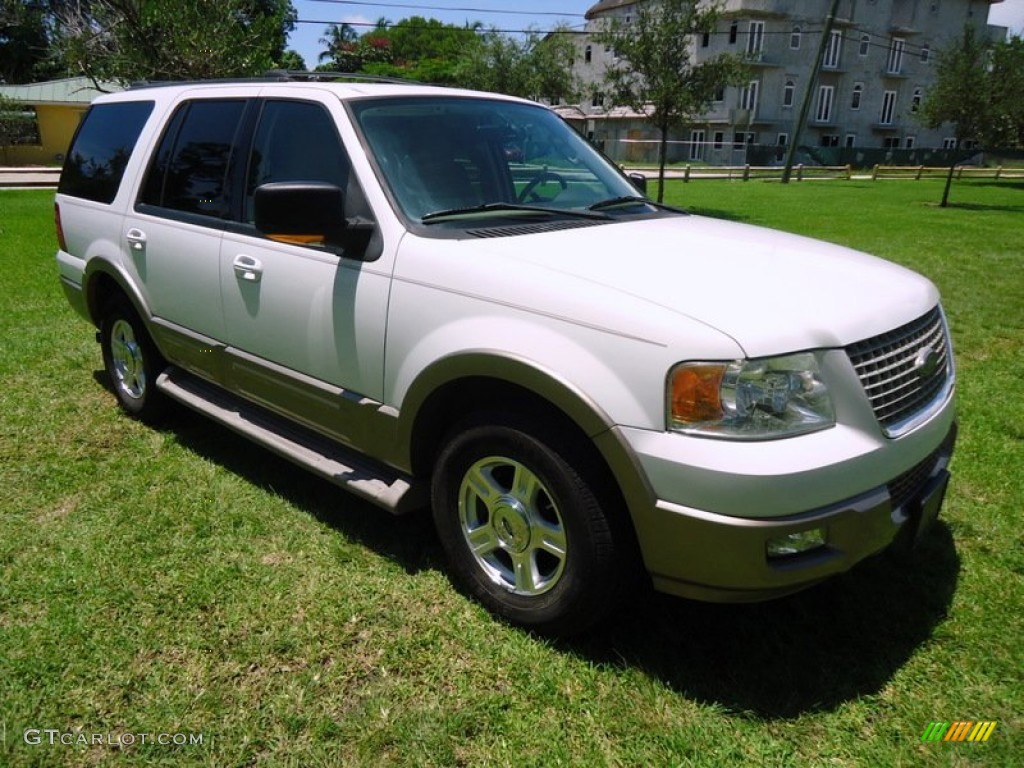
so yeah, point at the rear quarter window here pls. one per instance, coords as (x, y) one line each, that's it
(101, 149)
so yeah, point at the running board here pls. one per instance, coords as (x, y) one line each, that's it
(378, 485)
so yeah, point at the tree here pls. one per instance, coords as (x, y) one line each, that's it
(532, 66)
(426, 50)
(655, 71)
(128, 40)
(25, 42)
(961, 93)
(339, 43)
(292, 60)
(1007, 124)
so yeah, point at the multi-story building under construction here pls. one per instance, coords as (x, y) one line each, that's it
(878, 64)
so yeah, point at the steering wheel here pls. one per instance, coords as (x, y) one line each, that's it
(541, 178)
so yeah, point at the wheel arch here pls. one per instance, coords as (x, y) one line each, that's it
(102, 282)
(458, 386)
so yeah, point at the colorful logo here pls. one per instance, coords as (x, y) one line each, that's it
(961, 730)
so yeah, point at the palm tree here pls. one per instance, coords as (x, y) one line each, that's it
(338, 39)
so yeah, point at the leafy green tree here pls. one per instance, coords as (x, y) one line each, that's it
(340, 43)
(347, 51)
(426, 50)
(1006, 128)
(977, 90)
(655, 72)
(129, 40)
(533, 66)
(961, 94)
(292, 60)
(25, 42)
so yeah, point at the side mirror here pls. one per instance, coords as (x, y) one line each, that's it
(301, 212)
(639, 181)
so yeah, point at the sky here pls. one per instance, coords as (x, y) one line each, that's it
(314, 15)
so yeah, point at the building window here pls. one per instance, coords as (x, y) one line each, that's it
(719, 139)
(835, 44)
(740, 138)
(782, 140)
(865, 45)
(909, 142)
(823, 112)
(22, 126)
(891, 142)
(788, 93)
(597, 100)
(794, 39)
(588, 54)
(748, 96)
(888, 108)
(719, 94)
(949, 143)
(851, 140)
(926, 54)
(858, 94)
(755, 38)
(915, 100)
(696, 145)
(705, 40)
(896, 48)
(829, 140)
(734, 30)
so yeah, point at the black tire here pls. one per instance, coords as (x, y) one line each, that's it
(524, 529)
(132, 362)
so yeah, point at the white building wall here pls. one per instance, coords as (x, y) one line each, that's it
(885, 47)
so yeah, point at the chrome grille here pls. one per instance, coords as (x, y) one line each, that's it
(894, 370)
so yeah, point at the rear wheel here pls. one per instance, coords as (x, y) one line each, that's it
(132, 361)
(524, 529)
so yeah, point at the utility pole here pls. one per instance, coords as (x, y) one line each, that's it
(805, 107)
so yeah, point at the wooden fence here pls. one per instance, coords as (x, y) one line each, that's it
(807, 172)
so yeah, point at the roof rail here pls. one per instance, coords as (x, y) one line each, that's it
(317, 76)
(281, 76)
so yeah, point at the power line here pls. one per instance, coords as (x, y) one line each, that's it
(450, 28)
(420, 7)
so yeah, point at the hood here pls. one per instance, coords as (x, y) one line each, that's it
(770, 291)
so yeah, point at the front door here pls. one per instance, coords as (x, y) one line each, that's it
(304, 324)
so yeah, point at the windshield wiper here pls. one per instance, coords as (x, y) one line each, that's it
(434, 216)
(615, 202)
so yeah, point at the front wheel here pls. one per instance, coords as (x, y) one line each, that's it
(132, 362)
(523, 528)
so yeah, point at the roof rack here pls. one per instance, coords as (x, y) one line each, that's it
(317, 76)
(282, 76)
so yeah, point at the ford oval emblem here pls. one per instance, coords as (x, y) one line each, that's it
(926, 363)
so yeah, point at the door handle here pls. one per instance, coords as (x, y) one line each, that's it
(248, 268)
(136, 239)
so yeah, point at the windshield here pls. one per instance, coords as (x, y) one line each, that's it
(456, 160)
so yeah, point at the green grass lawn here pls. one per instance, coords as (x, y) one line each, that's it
(180, 581)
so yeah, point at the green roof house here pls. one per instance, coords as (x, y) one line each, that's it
(53, 110)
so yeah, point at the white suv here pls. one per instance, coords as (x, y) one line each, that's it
(446, 298)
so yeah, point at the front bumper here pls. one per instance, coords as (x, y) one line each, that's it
(725, 559)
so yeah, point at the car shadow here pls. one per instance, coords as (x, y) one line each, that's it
(811, 651)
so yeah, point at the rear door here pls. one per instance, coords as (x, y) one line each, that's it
(172, 237)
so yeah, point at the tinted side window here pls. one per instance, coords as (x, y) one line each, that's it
(101, 149)
(295, 141)
(191, 169)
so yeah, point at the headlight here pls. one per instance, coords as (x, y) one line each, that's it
(749, 399)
